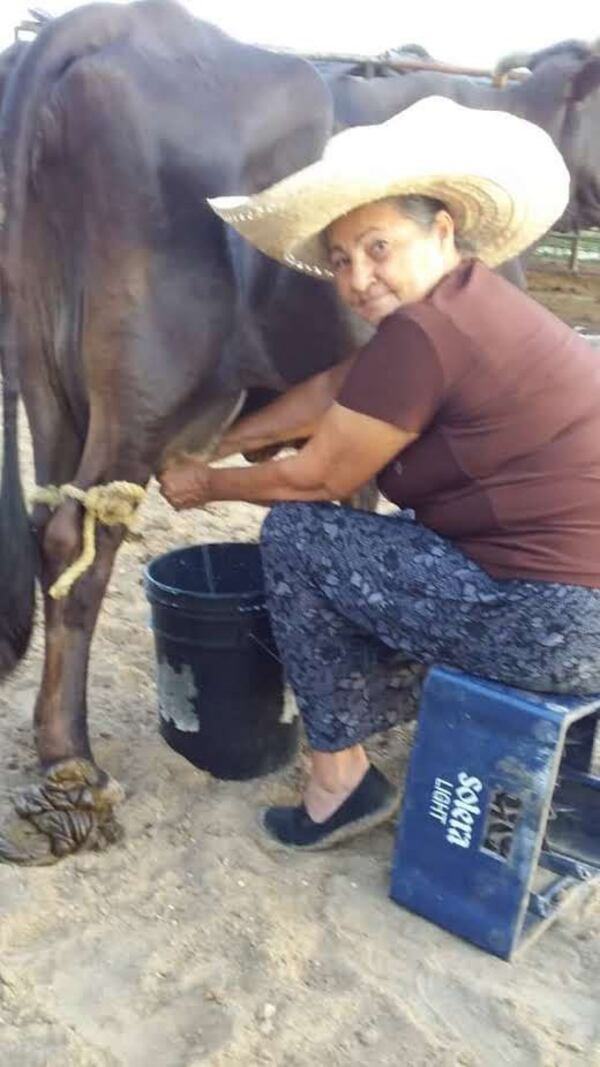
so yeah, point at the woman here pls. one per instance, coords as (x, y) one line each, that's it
(472, 404)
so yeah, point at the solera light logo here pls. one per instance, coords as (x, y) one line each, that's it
(456, 806)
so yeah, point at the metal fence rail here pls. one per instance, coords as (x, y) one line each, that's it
(573, 250)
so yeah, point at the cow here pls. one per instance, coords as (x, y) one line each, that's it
(561, 95)
(134, 319)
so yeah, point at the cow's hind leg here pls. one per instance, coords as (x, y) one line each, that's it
(73, 807)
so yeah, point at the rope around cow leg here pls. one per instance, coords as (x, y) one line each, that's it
(114, 504)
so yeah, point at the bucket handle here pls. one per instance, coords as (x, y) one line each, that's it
(252, 611)
(265, 648)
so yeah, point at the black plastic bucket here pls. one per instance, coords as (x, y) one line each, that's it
(220, 682)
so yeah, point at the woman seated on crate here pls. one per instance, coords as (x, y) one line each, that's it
(473, 405)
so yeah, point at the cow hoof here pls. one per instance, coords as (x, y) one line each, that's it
(71, 810)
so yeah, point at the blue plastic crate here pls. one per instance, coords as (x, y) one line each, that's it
(500, 821)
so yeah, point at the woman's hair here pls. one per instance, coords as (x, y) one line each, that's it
(422, 211)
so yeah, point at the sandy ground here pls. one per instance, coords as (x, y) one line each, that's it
(574, 298)
(188, 944)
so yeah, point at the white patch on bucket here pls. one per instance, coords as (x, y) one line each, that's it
(177, 694)
(290, 708)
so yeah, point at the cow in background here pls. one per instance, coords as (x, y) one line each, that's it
(562, 95)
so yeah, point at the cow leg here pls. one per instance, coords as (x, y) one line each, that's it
(73, 806)
(60, 717)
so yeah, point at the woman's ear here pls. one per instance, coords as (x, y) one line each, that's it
(444, 224)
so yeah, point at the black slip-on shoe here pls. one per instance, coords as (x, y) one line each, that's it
(372, 802)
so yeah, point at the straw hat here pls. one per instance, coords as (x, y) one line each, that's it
(501, 178)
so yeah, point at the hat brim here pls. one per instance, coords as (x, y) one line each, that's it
(501, 178)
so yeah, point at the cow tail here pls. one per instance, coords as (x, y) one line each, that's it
(17, 547)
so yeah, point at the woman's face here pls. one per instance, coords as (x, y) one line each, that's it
(381, 259)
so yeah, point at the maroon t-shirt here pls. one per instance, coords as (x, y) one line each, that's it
(506, 399)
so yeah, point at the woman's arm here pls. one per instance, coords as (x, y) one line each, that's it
(293, 416)
(346, 451)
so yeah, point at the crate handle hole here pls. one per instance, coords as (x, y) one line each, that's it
(502, 817)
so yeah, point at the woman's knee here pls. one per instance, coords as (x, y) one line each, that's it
(291, 537)
(292, 523)
(281, 520)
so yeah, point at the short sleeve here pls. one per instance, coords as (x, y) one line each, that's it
(397, 376)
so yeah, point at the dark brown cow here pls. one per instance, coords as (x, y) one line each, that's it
(132, 314)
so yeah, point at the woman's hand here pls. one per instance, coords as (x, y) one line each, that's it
(346, 451)
(185, 482)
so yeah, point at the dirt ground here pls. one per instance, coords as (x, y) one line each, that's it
(573, 297)
(188, 944)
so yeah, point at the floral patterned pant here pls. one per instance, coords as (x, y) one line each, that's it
(361, 604)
